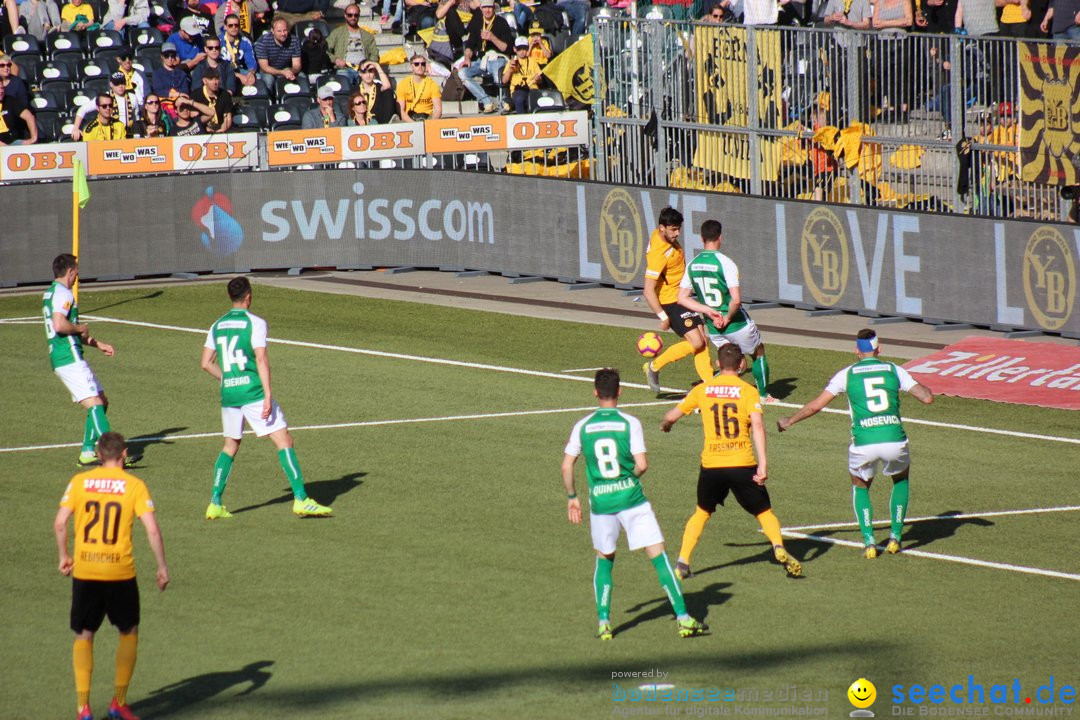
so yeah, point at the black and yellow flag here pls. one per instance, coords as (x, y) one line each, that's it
(1049, 113)
(722, 72)
(572, 71)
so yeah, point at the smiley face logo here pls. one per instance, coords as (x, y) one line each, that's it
(862, 693)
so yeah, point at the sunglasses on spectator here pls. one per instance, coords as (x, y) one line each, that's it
(419, 64)
(153, 102)
(352, 15)
(169, 54)
(5, 64)
(105, 105)
(232, 24)
(367, 69)
(359, 103)
(213, 47)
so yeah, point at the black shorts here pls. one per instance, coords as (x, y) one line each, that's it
(682, 320)
(714, 484)
(92, 600)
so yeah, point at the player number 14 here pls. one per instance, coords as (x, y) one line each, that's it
(230, 355)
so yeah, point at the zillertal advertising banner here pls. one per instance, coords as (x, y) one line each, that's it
(721, 68)
(40, 162)
(1049, 112)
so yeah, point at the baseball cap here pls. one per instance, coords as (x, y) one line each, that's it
(521, 42)
(536, 29)
(487, 3)
(118, 78)
(168, 47)
(325, 92)
(191, 25)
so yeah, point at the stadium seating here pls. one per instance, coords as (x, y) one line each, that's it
(50, 125)
(302, 28)
(546, 100)
(49, 101)
(30, 69)
(254, 92)
(93, 68)
(284, 117)
(104, 39)
(56, 74)
(251, 117)
(93, 87)
(285, 89)
(16, 46)
(145, 37)
(108, 56)
(65, 44)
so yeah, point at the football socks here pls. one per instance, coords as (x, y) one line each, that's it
(222, 468)
(82, 657)
(291, 466)
(126, 652)
(675, 352)
(602, 587)
(760, 369)
(694, 527)
(860, 499)
(97, 424)
(898, 503)
(770, 525)
(703, 364)
(668, 581)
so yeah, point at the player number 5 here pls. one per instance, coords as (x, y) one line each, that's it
(876, 398)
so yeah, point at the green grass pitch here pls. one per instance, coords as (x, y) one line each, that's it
(449, 583)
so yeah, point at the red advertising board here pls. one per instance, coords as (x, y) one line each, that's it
(1012, 371)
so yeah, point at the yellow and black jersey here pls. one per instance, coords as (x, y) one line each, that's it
(726, 403)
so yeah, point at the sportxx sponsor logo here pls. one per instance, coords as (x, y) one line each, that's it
(723, 391)
(824, 256)
(108, 486)
(219, 230)
(1049, 278)
(622, 234)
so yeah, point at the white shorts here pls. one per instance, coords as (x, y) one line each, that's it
(747, 338)
(640, 523)
(232, 419)
(80, 380)
(863, 460)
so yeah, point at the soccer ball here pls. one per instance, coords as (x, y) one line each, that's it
(649, 344)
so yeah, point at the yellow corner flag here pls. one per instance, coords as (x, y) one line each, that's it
(78, 184)
(571, 71)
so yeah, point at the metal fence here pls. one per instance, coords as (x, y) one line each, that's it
(918, 121)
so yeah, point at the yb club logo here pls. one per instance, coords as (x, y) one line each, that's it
(824, 256)
(1049, 278)
(621, 233)
(220, 233)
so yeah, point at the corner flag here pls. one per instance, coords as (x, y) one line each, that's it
(79, 186)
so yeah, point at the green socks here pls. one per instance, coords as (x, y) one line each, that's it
(666, 574)
(898, 503)
(97, 424)
(760, 369)
(291, 466)
(602, 587)
(221, 476)
(860, 498)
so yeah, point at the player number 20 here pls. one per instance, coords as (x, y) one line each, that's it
(109, 518)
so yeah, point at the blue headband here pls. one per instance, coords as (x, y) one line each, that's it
(868, 345)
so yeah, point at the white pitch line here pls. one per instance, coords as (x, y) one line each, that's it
(20, 320)
(931, 518)
(582, 370)
(939, 556)
(334, 426)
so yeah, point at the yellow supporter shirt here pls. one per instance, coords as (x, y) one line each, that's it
(418, 99)
(72, 11)
(666, 264)
(726, 403)
(105, 502)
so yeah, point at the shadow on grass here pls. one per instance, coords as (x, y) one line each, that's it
(782, 388)
(944, 525)
(139, 443)
(148, 296)
(181, 696)
(803, 551)
(697, 604)
(324, 491)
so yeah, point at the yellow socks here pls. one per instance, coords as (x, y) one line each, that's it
(82, 657)
(770, 525)
(703, 364)
(694, 527)
(126, 653)
(676, 352)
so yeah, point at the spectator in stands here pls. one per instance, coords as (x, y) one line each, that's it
(578, 12)
(539, 47)
(169, 81)
(294, 11)
(420, 14)
(250, 14)
(448, 41)
(278, 54)
(350, 45)
(105, 126)
(523, 12)
(214, 65)
(187, 117)
(358, 110)
(418, 96)
(490, 39)
(841, 14)
(760, 12)
(376, 89)
(238, 50)
(399, 14)
(77, 15)
(315, 54)
(16, 87)
(133, 80)
(126, 13)
(14, 117)
(125, 107)
(718, 12)
(153, 122)
(189, 42)
(41, 17)
(1062, 20)
(894, 74)
(218, 101)
(326, 115)
(9, 18)
(521, 75)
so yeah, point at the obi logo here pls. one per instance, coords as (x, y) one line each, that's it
(220, 233)
(824, 256)
(621, 233)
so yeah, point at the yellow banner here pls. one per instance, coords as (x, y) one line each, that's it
(722, 72)
(1049, 113)
(572, 71)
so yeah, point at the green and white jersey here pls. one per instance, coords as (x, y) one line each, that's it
(711, 275)
(63, 349)
(873, 388)
(235, 336)
(610, 439)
